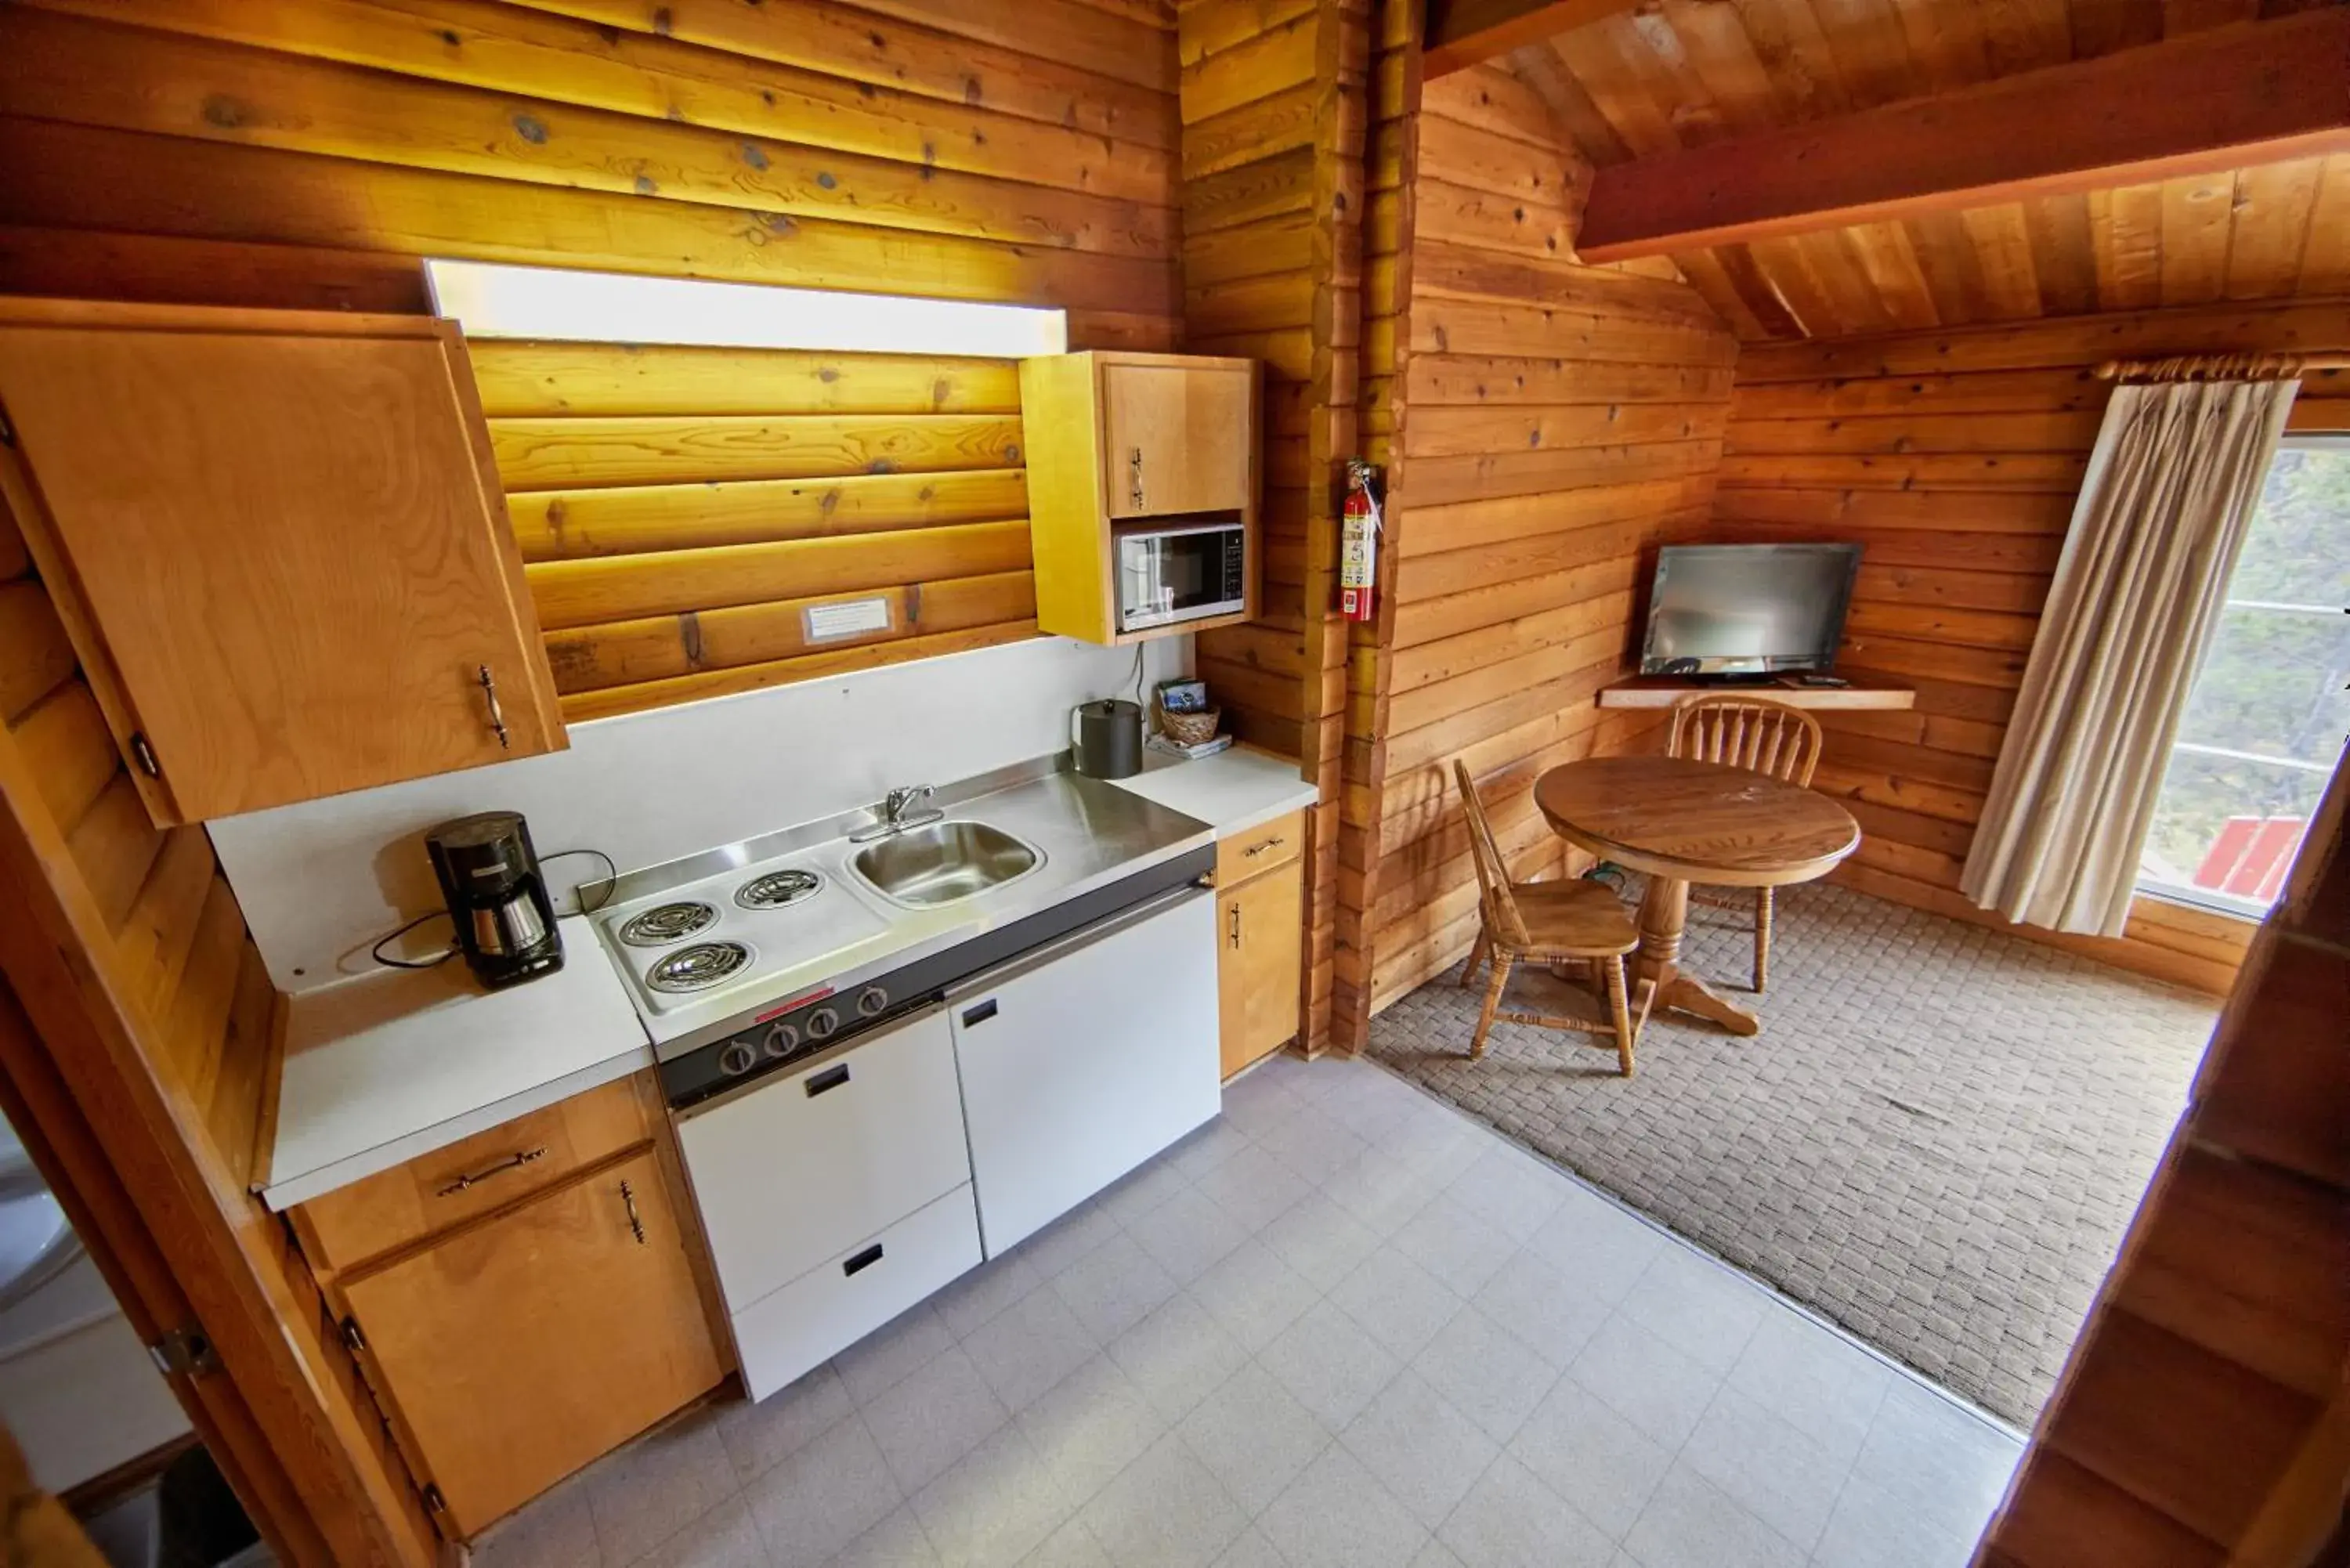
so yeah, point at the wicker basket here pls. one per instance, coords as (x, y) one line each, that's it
(1189, 729)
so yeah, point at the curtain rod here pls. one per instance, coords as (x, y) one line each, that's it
(2221, 367)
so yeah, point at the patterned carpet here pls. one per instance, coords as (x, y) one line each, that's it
(1936, 1140)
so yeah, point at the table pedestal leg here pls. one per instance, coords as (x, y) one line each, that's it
(1664, 915)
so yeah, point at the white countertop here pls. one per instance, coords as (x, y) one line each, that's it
(1234, 791)
(380, 1069)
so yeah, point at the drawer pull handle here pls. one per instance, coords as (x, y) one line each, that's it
(1255, 849)
(830, 1078)
(980, 1015)
(636, 1222)
(474, 1179)
(864, 1260)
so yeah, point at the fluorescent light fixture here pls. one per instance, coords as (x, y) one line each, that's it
(493, 301)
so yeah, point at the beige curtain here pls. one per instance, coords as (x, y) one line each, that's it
(2163, 509)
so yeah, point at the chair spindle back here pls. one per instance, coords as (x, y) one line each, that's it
(1750, 732)
(1492, 871)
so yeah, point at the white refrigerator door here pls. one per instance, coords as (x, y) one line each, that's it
(1080, 1065)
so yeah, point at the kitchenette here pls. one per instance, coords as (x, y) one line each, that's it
(777, 1090)
(587, 1060)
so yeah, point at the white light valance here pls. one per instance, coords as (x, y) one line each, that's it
(491, 300)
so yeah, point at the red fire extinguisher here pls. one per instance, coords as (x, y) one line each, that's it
(1358, 546)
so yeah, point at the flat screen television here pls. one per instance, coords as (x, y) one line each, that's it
(1747, 609)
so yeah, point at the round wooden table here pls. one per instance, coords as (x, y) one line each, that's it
(1684, 822)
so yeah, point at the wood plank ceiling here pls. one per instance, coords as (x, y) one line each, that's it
(1676, 74)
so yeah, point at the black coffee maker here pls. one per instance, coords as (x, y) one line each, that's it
(490, 877)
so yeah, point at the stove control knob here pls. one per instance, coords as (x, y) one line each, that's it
(872, 1002)
(783, 1040)
(737, 1059)
(822, 1023)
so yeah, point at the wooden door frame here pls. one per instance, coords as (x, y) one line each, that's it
(176, 1237)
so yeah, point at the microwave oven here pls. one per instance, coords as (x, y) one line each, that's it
(1166, 575)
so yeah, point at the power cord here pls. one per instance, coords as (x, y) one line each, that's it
(440, 958)
(610, 879)
(611, 876)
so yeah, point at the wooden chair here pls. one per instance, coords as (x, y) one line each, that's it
(1544, 923)
(1764, 736)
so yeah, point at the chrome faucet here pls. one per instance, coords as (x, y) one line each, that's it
(894, 815)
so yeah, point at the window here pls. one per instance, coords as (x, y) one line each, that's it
(2266, 718)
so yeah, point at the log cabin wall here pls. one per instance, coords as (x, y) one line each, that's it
(2203, 1417)
(1954, 459)
(680, 508)
(161, 963)
(1391, 198)
(1273, 102)
(1560, 421)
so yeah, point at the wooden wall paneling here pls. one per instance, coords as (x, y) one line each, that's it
(681, 510)
(1391, 258)
(899, 114)
(185, 87)
(2200, 1417)
(310, 151)
(1558, 421)
(1273, 127)
(137, 1073)
(1954, 459)
(103, 177)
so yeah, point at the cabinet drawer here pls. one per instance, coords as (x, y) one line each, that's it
(792, 1170)
(345, 1228)
(846, 1297)
(1261, 849)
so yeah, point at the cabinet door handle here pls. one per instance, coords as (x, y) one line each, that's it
(636, 1221)
(475, 1178)
(1236, 926)
(1254, 850)
(1133, 476)
(830, 1078)
(497, 714)
(979, 1014)
(864, 1260)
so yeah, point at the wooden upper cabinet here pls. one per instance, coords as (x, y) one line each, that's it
(1182, 439)
(279, 544)
(1123, 442)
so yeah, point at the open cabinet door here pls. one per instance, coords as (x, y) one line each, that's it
(135, 1062)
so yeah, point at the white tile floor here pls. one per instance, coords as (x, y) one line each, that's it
(1342, 1326)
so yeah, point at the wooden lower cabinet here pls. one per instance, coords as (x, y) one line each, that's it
(520, 1345)
(1260, 947)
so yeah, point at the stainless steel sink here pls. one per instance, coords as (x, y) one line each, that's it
(942, 863)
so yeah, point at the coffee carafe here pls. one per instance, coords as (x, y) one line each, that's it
(490, 877)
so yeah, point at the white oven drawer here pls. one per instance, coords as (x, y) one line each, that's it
(841, 1301)
(795, 1169)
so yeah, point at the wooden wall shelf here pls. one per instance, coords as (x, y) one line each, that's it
(1664, 690)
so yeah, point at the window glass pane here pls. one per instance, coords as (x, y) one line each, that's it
(2269, 710)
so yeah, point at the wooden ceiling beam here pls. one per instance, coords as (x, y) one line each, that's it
(1462, 32)
(2211, 101)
